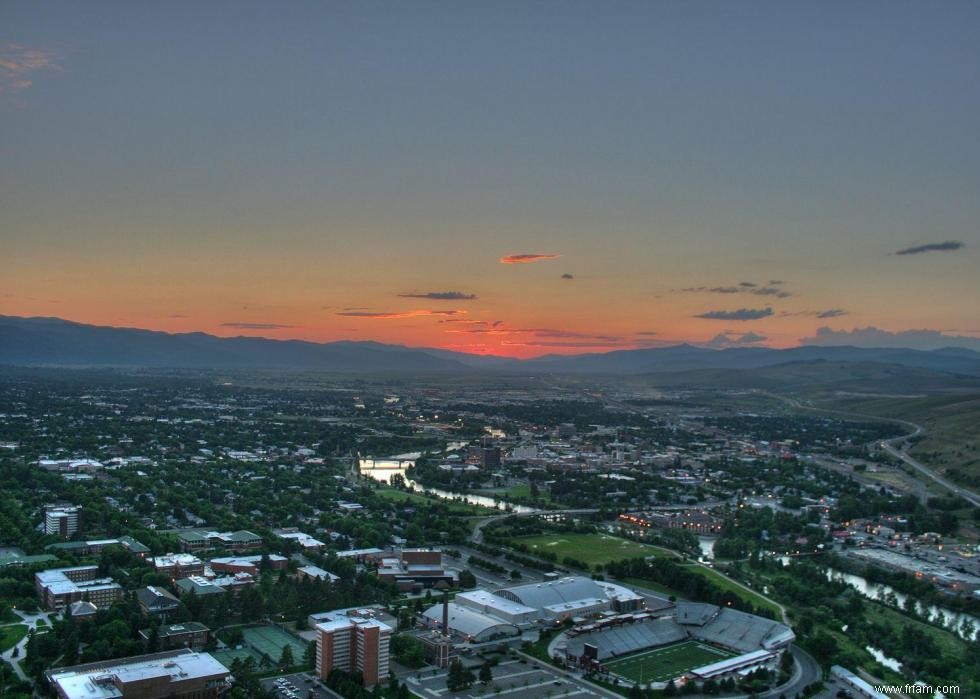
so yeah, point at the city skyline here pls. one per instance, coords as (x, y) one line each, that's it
(505, 179)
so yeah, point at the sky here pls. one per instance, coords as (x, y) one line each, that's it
(516, 178)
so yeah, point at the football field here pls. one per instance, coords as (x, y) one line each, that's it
(666, 663)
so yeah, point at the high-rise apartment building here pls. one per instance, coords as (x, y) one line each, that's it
(62, 520)
(353, 644)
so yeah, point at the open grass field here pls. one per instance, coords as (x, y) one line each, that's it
(10, 636)
(666, 663)
(755, 598)
(592, 548)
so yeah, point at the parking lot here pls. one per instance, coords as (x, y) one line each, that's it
(298, 686)
(515, 679)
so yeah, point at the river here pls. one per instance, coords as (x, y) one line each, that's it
(963, 625)
(383, 469)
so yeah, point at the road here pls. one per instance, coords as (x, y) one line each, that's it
(889, 445)
(806, 671)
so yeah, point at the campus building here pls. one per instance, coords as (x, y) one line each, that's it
(353, 644)
(186, 635)
(62, 520)
(177, 565)
(59, 587)
(181, 674)
(416, 569)
(193, 540)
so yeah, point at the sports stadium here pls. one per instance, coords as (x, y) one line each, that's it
(691, 641)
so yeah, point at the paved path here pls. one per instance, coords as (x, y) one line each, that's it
(32, 621)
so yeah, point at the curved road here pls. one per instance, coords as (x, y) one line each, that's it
(888, 446)
(806, 671)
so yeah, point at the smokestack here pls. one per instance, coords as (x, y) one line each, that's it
(445, 614)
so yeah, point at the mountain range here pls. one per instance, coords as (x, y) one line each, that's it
(58, 342)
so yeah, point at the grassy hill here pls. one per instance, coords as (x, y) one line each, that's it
(951, 444)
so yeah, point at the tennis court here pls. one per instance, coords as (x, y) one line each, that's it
(666, 663)
(270, 640)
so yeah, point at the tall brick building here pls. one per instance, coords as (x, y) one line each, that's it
(353, 644)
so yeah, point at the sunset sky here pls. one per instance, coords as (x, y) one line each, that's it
(516, 178)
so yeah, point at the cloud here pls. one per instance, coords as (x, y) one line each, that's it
(829, 313)
(545, 333)
(722, 340)
(441, 296)
(256, 326)
(647, 333)
(742, 288)
(932, 247)
(566, 275)
(740, 314)
(388, 315)
(18, 64)
(526, 258)
(559, 343)
(176, 315)
(923, 339)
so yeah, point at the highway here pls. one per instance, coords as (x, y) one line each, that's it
(889, 446)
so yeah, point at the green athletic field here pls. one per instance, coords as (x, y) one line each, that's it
(666, 663)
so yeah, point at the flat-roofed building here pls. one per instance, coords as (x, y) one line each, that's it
(177, 565)
(304, 541)
(353, 644)
(248, 564)
(59, 587)
(193, 540)
(95, 546)
(416, 569)
(62, 520)
(186, 635)
(182, 674)
(198, 585)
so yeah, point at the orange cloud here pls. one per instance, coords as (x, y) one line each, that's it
(526, 258)
(17, 63)
(398, 314)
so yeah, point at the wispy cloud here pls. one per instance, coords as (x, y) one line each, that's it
(256, 326)
(740, 314)
(440, 296)
(771, 289)
(580, 344)
(828, 313)
(526, 258)
(945, 246)
(389, 315)
(19, 64)
(566, 275)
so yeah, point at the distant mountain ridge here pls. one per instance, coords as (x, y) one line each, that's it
(57, 342)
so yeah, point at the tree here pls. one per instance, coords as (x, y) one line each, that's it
(459, 678)
(467, 579)
(486, 673)
(286, 658)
